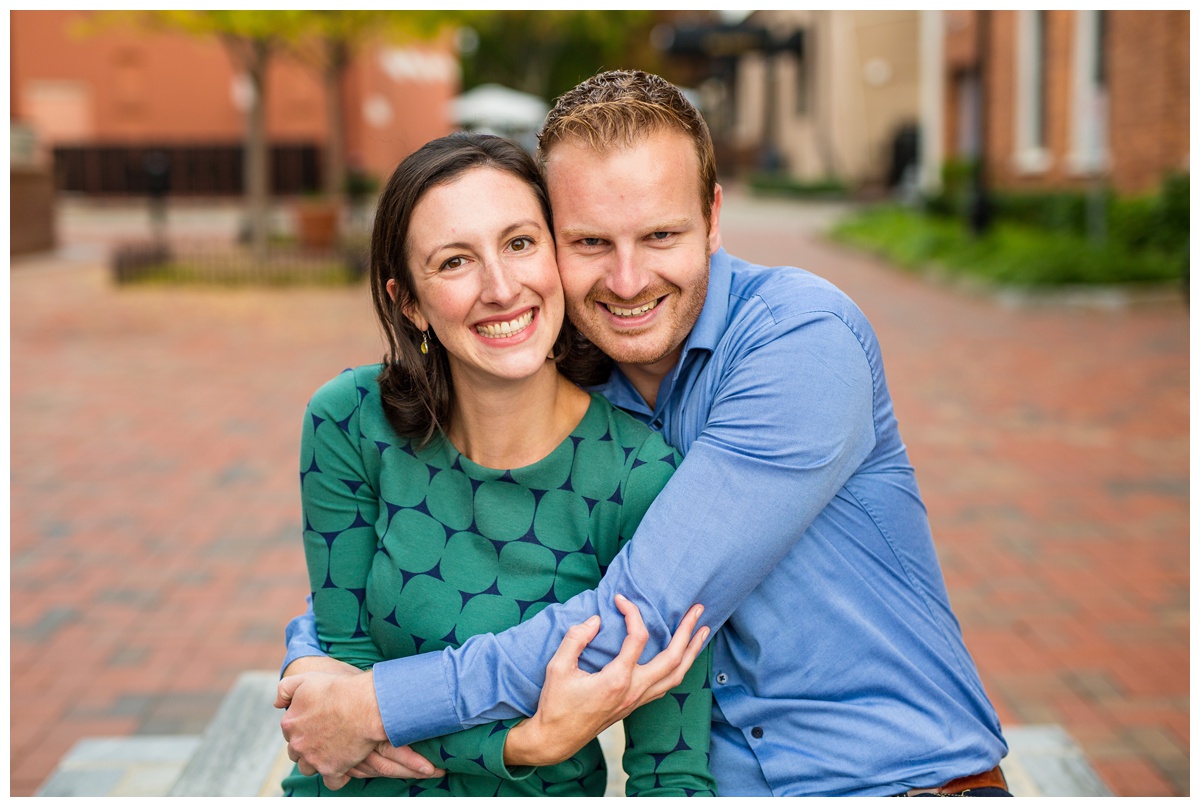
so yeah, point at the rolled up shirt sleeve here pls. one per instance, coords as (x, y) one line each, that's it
(301, 637)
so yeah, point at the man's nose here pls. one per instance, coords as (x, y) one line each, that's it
(625, 278)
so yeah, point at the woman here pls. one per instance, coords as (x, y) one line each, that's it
(466, 483)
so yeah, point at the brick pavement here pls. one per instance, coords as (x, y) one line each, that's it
(154, 515)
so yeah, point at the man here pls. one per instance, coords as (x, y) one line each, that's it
(794, 518)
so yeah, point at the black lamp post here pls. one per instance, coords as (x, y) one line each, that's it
(979, 211)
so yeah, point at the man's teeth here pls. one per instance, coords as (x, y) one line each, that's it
(630, 312)
(499, 330)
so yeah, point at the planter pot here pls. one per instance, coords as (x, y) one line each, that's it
(317, 224)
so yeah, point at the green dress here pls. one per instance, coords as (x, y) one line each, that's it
(413, 550)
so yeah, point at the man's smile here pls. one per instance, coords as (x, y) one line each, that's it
(621, 311)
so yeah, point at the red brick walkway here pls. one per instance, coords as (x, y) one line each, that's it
(154, 513)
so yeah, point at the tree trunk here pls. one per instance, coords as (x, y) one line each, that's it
(335, 146)
(257, 168)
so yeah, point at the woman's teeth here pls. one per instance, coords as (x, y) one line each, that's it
(499, 330)
(630, 312)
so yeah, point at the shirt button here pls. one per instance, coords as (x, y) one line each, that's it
(722, 678)
(756, 733)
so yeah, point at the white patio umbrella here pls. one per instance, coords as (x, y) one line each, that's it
(492, 107)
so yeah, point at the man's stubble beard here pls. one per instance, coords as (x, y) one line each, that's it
(626, 349)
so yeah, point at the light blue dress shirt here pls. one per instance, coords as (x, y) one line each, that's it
(795, 518)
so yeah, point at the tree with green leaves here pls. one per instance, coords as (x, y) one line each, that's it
(251, 38)
(548, 52)
(328, 41)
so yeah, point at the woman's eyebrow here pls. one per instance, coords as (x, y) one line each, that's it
(516, 225)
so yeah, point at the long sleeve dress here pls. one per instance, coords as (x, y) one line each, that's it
(411, 550)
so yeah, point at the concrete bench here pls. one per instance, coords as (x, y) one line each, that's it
(242, 753)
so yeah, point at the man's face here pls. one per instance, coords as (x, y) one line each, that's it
(633, 247)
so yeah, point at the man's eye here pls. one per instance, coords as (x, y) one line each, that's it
(590, 242)
(660, 235)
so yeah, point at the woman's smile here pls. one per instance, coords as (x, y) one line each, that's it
(503, 329)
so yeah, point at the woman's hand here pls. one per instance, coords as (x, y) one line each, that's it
(395, 763)
(325, 664)
(575, 706)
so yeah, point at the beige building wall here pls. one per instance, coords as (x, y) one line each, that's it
(840, 107)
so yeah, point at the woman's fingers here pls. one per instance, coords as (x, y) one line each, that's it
(398, 763)
(673, 677)
(566, 658)
(666, 670)
(636, 634)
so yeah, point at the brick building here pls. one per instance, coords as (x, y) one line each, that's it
(1068, 96)
(97, 100)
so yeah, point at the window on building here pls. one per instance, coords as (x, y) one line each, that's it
(1089, 107)
(1032, 107)
(1038, 88)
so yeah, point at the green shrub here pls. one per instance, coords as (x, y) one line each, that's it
(1009, 253)
(781, 184)
(1158, 221)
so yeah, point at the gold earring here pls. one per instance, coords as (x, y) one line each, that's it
(424, 343)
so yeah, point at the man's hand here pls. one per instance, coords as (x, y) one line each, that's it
(332, 722)
(575, 706)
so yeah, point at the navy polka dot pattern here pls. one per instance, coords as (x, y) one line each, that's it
(413, 550)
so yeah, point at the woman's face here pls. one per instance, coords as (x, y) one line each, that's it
(484, 275)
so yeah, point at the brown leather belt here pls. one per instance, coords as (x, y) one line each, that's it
(961, 786)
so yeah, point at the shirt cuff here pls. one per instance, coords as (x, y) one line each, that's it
(414, 712)
(301, 638)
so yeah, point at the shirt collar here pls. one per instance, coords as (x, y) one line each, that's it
(710, 325)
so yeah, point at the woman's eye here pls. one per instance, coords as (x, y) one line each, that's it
(521, 243)
(452, 263)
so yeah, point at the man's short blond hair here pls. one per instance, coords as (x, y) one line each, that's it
(618, 108)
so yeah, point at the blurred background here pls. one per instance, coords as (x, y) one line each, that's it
(1005, 193)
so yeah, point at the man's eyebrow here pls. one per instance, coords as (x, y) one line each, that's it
(578, 232)
(672, 224)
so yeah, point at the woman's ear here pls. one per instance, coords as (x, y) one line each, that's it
(410, 309)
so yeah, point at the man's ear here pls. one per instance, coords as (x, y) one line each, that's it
(714, 223)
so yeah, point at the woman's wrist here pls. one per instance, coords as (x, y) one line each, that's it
(525, 745)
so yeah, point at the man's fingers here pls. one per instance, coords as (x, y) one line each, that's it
(285, 691)
(335, 781)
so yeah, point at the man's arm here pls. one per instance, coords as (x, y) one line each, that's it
(790, 424)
